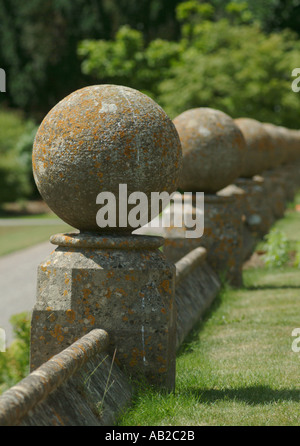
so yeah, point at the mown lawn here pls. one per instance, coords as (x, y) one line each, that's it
(13, 238)
(237, 367)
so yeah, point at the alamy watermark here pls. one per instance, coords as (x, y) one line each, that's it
(163, 210)
(296, 82)
(296, 342)
(2, 81)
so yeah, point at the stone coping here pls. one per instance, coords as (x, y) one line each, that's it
(189, 262)
(20, 399)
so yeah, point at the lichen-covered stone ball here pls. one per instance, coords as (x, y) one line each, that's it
(259, 152)
(294, 137)
(213, 149)
(278, 143)
(97, 138)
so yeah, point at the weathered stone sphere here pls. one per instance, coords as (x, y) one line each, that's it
(295, 144)
(258, 147)
(277, 141)
(213, 149)
(94, 140)
(287, 144)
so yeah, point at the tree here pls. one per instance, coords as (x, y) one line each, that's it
(39, 40)
(228, 64)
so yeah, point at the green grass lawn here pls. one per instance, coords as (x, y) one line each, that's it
(237, 367)
(13, 238)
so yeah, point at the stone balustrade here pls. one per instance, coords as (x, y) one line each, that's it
(116, 301)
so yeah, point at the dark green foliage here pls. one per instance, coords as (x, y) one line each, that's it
(16, 138)
(39, 39)
(229, 64)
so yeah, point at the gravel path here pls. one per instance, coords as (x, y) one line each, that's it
(18, 273)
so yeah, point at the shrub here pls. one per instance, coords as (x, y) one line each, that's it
(16, 139)
(14, 363)
(277, 249)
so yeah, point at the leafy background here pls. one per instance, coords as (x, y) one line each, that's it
(236, 56)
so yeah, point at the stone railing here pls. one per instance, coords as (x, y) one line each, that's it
(113, 307)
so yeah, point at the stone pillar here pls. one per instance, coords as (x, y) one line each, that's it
(248, 239)
(257, 207)
(291, 166)
(260, 156)
(213, 150)
(223, 236)
(275, 189)
(283, 176)
(104, 277)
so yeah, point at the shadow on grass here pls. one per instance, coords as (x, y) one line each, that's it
(270, 287)
(252, 395)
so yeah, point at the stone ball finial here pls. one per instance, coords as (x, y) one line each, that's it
(295, 144)
(258, 147)
(97, 138)
(213, 149)
(277, 141)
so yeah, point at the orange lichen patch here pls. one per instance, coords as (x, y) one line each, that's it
(65, 292)
(162, 370)
(71, 315)
(145, 256)
(121, 291)
(165, 285)
(108, 293)
(91, 319)
(135, 356)
(48, 309)
(52, 317)
(86, 293)
(57, 333)
(110, 274)
(125, 318)
(130, 311)
(164, 311)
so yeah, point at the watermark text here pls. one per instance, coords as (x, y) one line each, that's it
(2, 81)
